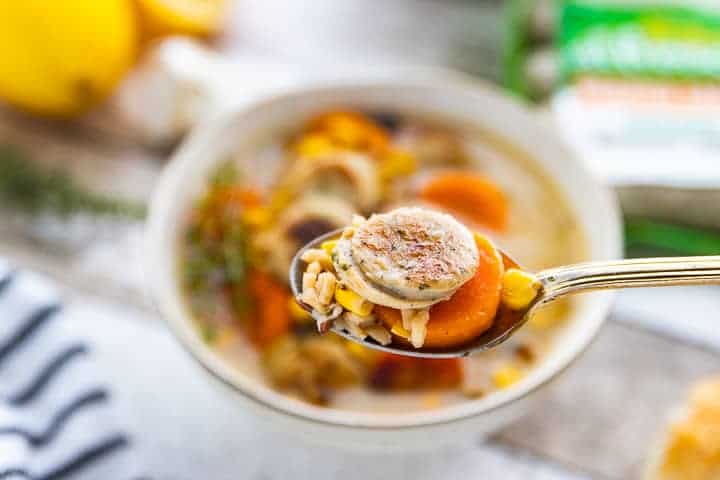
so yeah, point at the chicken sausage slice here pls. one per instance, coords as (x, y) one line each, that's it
(407, 258)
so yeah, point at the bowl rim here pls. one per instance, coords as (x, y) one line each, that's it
(164, 291)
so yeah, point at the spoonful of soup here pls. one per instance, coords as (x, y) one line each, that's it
(417, 282)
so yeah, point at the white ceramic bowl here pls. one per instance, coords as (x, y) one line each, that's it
(185, 178)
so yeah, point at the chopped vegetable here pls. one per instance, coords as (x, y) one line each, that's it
(469, 312)
(240, 239)
(333, 363)
(246, 197)
(519, 288)
(225, 336)
(226, 174)
(399, 330)
(507, 376)
(208, 333)
(309, 367)
(387, 120)
(329, 246)
(367, 356)
(525, 353)
(469, 195)
(313, 145)
(216, 251)
(432, 146)
(396, 163)
(352, 302)
(257, 217)
(397, 373)
(350, 130)
(272, 317)
(289, 372)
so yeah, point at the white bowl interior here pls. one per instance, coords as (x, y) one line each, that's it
(242, 132)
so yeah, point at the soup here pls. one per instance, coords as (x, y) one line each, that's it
(243, 231)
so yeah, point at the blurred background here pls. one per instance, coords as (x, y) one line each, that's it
(95, 95)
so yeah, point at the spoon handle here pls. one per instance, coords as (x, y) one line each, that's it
(642, 272)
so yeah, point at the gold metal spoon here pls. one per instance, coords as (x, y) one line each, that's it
(554, 283)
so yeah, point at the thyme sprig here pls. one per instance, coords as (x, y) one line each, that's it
(27, 187)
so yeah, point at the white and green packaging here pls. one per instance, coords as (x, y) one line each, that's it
(639, 101)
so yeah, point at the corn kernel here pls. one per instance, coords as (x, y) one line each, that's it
(299, 314)
(281, 198)
(346, 130)
(431, 400)
(397, 163)
(365, 355)
(507, 376)
(352, 302)
(519, 288)
(225, 336)
(329, 246)
(313, 145)
(355, 348)
(256, 217)
(351, 130)
(398, 330)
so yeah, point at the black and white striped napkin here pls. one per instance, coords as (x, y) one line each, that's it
(56, 415)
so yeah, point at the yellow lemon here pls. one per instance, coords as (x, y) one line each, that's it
(191, 17)
(61, 57)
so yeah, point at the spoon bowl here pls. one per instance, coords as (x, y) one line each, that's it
(506, 322)
(554, 283)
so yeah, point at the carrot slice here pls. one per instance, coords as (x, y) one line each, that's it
(246, 197)
(469, 312)
(350, 130)
(469, 195)
(398, 373)
(272, 316)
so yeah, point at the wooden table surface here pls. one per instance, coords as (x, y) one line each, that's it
(598, 420)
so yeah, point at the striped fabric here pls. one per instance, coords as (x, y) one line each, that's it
(56, 417)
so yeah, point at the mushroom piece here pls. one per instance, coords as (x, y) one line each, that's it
(431, 146)
(409, 258)
(304, 220)
(347, 175)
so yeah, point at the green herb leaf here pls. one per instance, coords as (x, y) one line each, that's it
(26, 186)
(225, 174)
(209, 333)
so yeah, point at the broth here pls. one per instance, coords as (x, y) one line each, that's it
(258, 209)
